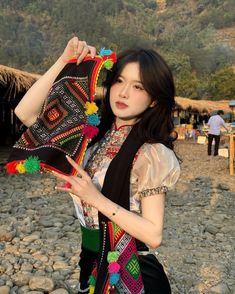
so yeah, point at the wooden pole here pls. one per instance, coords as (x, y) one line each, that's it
(231, 155)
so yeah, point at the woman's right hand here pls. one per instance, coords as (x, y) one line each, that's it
(77, 49)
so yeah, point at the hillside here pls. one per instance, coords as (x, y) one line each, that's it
(196, 37)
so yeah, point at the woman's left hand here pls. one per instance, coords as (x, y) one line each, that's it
(80, 186)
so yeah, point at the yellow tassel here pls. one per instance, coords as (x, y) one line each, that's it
(91, 108)
(91, 289)
(20, 168)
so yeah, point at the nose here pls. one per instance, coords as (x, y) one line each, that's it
(124, 91)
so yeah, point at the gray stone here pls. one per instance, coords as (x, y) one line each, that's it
(211, 229)
(61, 265)
(41, 284)
(4, 290)
(221, 288)
(6, 235)
(46, 221)
(60, 291)
(223, 187)
(21, 278)
(31, 238)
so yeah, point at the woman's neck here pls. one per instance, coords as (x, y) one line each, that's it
(119, 123)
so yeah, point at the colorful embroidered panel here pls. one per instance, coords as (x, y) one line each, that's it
(130, 275)
(67, 124)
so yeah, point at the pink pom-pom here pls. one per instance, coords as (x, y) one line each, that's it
(113, 267)
(90, 131)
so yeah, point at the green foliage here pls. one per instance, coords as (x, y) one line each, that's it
(34, 33)
(222, 84)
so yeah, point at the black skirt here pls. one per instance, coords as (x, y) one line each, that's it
(154, 277)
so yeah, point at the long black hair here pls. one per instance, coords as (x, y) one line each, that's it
(155, 124)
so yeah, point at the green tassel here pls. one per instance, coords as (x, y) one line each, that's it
(108, 64)
(92, 280)
(32, 165)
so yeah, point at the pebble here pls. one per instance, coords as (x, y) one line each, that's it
(4, 290)
(40, 235)
(41, 283)
(220, 289)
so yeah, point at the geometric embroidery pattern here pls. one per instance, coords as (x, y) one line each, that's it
(130, 275)
(60, 123)
(133, 267)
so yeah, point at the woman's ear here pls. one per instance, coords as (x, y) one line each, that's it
(154, 103)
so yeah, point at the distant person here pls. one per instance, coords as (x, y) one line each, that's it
(195, 130)
(215, 123)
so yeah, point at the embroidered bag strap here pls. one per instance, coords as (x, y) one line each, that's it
(116, 187)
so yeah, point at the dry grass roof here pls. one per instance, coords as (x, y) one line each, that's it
(202, 105)
(15, 80)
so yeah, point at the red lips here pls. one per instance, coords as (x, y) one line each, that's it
(120, 105)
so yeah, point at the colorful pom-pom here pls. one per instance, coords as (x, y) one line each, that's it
(32, 164)
(105, 52)
(113, 267)
(112, 256)
(91, 108)
(91, 289)
(11, 167)
(20, 168)
(92, 280)
(90, 131)
(93, 119)
(114, 278)
(108, 64)
(94, 272)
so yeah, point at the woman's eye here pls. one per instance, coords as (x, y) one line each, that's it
(138, 87)
(119, 80)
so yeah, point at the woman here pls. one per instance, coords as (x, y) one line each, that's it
(120, 195)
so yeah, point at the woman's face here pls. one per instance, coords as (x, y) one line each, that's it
(128, 98)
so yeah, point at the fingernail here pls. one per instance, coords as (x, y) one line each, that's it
(67, 185)
(55, 187)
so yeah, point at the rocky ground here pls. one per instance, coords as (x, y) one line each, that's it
(40, 236)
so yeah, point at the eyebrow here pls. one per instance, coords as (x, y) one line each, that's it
(136, 81)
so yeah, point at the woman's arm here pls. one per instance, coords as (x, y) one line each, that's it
(30, 105)
(147, 228)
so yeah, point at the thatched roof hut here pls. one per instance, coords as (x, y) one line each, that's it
(201, 106)
(14, 82)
